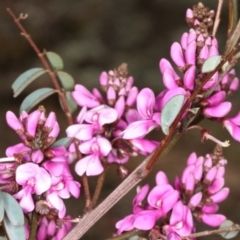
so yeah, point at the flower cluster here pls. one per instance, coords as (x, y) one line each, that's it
(109, 128)
(35, 171)
(171, 208)
(195, 47)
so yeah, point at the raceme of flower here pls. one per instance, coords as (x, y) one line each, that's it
(112, 126)
(38, 173)
(172, 208)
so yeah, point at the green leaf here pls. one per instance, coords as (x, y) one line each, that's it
(35, 97)
(170, 112)
(62, 142)
(66, 80)
(211, 63)
(13, 232)
(1, 207)
(25, 79)
(12, 209)
(55, 60)
(70, 102)
(228, 235)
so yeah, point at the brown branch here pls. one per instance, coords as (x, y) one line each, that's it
(99, 186)
(126, 235)
(217, 18)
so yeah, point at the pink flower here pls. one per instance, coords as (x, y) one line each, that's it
(181, 221)
(33, 179)
(83, 97)
(145, 105)
(95, 148)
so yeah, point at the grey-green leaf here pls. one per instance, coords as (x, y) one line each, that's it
(170, 112)
(228, 235)
(66, 80)
(55, 60)
(1, 207)
(70, 102)
(13, 232)
(25, 79)
(12, 209)
(35, 97)
(62, 142)
(211, 63)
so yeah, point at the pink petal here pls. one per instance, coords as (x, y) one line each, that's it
(18, 148)
(220, 196)
(26, 171)
(190, 53)
(161, 178)
(104, 146)
(13, 121)
(146, 219)
(189, 78)
(217, 98)
(211, 174)
(103, 79)
(125, 224)
(27, 203)
(145, 103)
(216, 185)
(43, 181)
(129, 83)
(220, 110)
(144, 145)
(213, 220)
(32, 122)
(51, 119)
(192, 159)
(210, 208)
(184, 40)
(195, 200)
(83, 97)
(132, 96)
(111, 94)
(168, 79)
(204, 53)
(120, 106)
(81, 115)
(232, 129)
(37, 156)
(80, 131)
(94, 166)
(107, 116)
(177, 54)
(138, 129)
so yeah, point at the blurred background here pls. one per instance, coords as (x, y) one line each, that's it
(98, 35)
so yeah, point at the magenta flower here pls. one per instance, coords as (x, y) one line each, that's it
(33, 179)
(181, 221)
(233, 126)
(95, 148)
(150, 120)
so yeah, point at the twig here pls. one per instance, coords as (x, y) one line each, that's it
(98, 187)
(217, 18)
(34, 226)
(234, 38)
(212, 232)
(126, 235)
(232, 16)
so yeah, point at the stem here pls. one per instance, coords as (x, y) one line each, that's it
(126, 235)
(98, 188)
(217, 19)
(232, 16)
(45, 64)
(34, 225)
(232, 41)
(212, 232)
